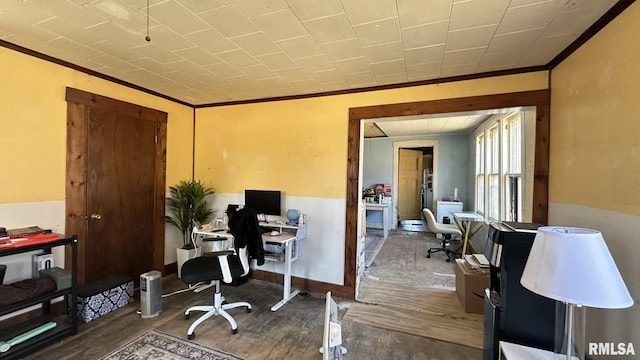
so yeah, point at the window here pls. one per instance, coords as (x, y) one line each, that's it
(499, 169)
(512, 160)
(480, 174)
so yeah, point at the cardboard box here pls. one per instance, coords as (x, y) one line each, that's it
(470, 285)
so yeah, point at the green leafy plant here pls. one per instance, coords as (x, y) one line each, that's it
(188, 204)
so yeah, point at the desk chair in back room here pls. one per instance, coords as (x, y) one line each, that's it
(446, 230)
(228, 265)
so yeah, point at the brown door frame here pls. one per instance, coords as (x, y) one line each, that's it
(78, 104)
(540, 99)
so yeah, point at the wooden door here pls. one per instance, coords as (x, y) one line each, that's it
(115, 185)
(410, 184)
(120, 194)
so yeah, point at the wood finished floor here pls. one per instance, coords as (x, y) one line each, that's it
(293, 332)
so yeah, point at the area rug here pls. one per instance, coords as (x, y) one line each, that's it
(160, 346)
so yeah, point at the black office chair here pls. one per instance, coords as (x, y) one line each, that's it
(447, 231)
(228, 265)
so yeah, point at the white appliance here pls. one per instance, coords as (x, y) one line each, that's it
(447, 208)
(151, 294)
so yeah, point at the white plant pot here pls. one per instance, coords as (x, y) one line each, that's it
(184, 255)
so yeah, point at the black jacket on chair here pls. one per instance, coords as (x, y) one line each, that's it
(244, 227)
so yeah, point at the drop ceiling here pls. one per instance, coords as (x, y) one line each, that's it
(218, 51)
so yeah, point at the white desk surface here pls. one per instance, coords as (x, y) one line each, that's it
(468, 216)
(510, 351)
(376, 206)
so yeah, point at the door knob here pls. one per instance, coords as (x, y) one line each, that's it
(96, 216)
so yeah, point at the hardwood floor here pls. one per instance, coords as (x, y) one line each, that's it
(293, 332)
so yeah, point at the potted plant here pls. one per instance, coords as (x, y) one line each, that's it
(187, 204)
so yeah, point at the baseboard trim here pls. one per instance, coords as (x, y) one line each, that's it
(296, 282)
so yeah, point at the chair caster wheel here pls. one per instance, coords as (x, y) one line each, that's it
(448, 260)
(234, 331)
(186, 316)
(248, 310)
(428, 256)
(191, 336)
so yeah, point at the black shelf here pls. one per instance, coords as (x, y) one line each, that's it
(66, 324)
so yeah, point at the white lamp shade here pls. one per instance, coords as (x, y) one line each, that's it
(574, 265)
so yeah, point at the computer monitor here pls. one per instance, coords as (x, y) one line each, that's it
(264, 202)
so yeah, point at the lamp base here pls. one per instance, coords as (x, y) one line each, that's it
(570, 332)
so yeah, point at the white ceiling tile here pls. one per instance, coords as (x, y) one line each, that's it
(113, 63)
(423, 55)
(24, 12)
(307, 10)
(116, 33)
(74, 50)
(419, 12)
(424, 71)
(362, 79)
(119, 12)
(300, 47)
(253, 8)
(199, 56)
(256, 44)
(151, 64)
(116, 50)
(468, 14)
(535, 15)
(388, 68)
(212, 41)
(62, 27)
(329, 76)
(294, 74)
(342, 50)
(384, 52)
(168, 39)
(463, 57)
(572, 22)
(318, 63)
(238, 57)
(224, 70)
(258, 72)
(518, 41)
(176, 16)
(330, 29)
(425, 35)
(280, 25)
(363, 11)
(391, 78)
(470, 38)
(453, 70)
(355, 65)
(277, 61)
(315, 41)
(198, 6)
(229, 21)
(153, 51)
(378, 32)
(499, 61)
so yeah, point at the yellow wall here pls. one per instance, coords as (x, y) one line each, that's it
(300, 146)
(33, 126)
(595, 126)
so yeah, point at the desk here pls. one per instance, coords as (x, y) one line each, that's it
(509, 351)
(384, 207)
(464, 221)
(288, 240)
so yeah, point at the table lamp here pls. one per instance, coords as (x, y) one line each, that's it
(574, 267)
